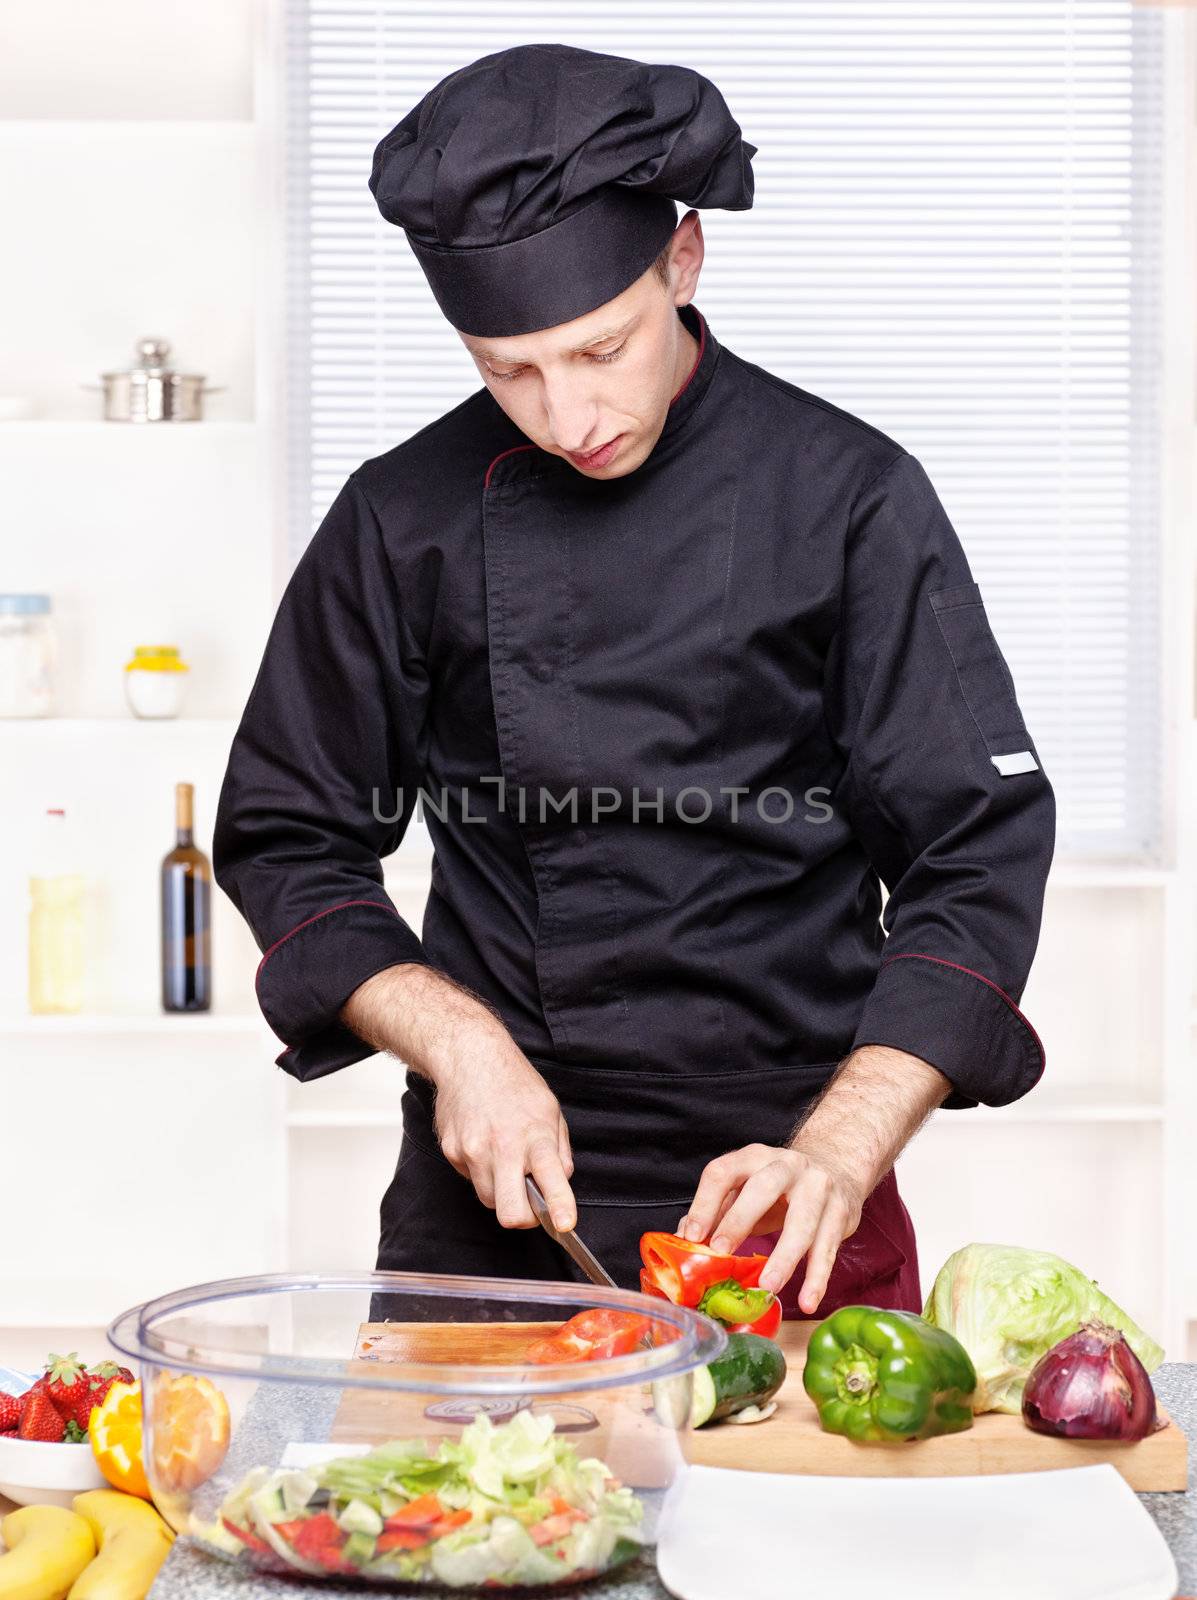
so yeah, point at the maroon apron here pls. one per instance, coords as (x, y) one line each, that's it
(876, 1266)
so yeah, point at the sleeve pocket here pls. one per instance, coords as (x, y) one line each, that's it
(983, 676)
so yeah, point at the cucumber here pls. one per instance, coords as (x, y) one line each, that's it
(748, 1373)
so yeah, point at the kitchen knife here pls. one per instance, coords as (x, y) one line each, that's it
(569, 1242)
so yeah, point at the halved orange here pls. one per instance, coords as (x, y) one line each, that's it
(114, 1429)
(190, 1430)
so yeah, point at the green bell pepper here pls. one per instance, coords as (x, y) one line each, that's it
(887, 1376)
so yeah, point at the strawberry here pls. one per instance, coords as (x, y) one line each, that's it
(66, 1385)
(75, 1389)
(109, 1369)
(10, 1412)
(40, 1419)
(102, 1375)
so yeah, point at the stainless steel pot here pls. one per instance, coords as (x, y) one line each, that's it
(151, 391)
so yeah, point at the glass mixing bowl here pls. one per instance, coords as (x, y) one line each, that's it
(394, 1427)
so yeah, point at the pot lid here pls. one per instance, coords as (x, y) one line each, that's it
(151, 362)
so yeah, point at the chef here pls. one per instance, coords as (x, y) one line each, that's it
(681, 664)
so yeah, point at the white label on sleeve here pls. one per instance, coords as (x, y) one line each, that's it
(1020, 761)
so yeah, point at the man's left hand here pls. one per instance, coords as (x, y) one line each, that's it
(762, 1188)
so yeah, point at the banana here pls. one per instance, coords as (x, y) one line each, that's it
(48, 1547)
(133, 1542)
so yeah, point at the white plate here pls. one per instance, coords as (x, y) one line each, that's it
(35, 1473)
(1074, 1534)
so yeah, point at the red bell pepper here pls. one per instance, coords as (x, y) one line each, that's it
(421, 1512)
(682, 1271)
(309, 1534)
(402, 1539)
(592, 1336)
(251, 1539)
(451, 1520)
(742, 1310)
(317, 1539)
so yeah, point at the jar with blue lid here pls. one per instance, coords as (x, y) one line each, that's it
(28, 655)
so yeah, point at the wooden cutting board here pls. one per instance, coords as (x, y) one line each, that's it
(793, 1441)
(641, 1452)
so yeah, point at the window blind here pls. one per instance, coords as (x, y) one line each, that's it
(956, 236)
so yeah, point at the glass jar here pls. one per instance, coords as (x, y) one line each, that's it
(155, 681)
(28, 655)
(58, 922)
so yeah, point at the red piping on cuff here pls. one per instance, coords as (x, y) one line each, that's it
(514, 449)
(913, 955)
(702, 344)
(344, 906)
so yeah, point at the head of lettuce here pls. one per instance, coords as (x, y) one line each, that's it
(1008, 1306)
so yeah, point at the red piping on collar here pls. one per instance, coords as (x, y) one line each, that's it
(344, 906)
(514, 449)
(913, 955)
(702, 344)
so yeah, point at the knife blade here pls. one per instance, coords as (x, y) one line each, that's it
(569, 1242)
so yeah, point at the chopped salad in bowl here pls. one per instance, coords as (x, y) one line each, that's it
(507, 1504)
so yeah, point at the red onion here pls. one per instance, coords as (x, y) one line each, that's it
(1091, 1385)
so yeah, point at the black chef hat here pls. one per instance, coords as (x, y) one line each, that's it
(539, 182)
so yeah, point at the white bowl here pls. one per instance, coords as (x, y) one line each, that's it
(33, 1472)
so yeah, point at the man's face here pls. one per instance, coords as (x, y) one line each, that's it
(609, 375)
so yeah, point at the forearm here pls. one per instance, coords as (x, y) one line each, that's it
(420, 1015)
(871, 1109)
(496, 1118)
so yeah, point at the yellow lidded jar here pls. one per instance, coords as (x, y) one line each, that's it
(155, 680)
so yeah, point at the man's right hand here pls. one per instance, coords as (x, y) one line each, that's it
(496, 1118)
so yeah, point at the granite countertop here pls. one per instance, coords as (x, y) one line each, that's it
(190, 1574)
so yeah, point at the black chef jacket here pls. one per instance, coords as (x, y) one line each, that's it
(759, 665)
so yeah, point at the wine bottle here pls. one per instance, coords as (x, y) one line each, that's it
(186, 915)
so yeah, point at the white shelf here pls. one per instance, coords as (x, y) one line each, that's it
(1086, 1105)
(357, 1118)
(57, 427)
(68, 727)
(1109, 875)
(115, 1022)
(30, 127)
